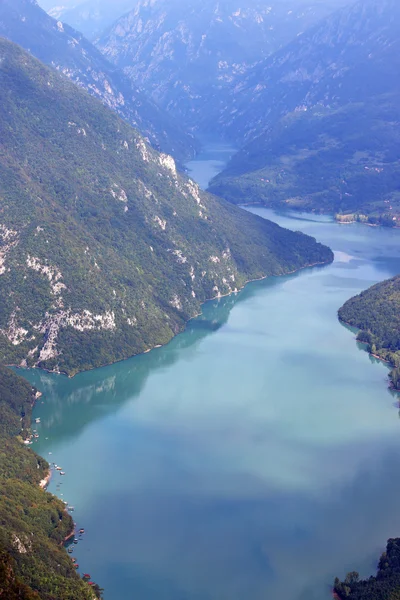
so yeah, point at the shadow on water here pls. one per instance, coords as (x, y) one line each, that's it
(69, 405)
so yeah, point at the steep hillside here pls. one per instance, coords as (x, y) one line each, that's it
(33, 563)
(376, 312)
(106, 251)
(60, 46)
(188, 55)
(327, 107)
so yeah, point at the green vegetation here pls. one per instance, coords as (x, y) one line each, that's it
(343, 162)
(25, 23)
(386, 584)
(33, 524)
(376, 312)
(106, 249)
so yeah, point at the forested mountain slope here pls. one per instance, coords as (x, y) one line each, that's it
(325, 110)
(376, 312)
(343, 161)
(189, 55)
(384, 586)
(33, 563)
(65, 49)
(107, 251)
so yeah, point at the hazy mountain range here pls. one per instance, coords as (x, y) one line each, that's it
(321, 118)
(189, 56)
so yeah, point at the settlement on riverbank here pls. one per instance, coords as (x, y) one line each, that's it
(33, 562)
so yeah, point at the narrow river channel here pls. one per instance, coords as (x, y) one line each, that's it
(256, 456)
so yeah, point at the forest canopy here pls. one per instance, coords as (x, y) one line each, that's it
(376, 312)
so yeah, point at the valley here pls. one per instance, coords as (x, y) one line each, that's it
(199, 335)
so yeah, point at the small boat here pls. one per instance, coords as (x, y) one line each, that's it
(76, 540)
(57, 468)
(70, 507)
(86, 576)
(37, 420)
(70, 550)
(82, 530)
(76, 566)
(62, 472)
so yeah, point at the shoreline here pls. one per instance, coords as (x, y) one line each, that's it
(45, 482)
(158, 346)
(314, 212)
(68, 537)
(376, 356)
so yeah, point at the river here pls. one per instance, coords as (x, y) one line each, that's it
(255, 456)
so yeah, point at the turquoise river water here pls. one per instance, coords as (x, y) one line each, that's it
(256, 456)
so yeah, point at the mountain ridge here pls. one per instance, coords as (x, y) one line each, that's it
(188, 57)
(66, 50)
(322, 123)
(341, 59)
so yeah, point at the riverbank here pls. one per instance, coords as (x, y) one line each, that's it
(374, 355)
(375, 312)
(339, 219)
(157, 346)
(34, 522)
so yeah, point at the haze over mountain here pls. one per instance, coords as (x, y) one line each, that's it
(90, 17)
(108, 251)
(321, 116)
(60, 46)
(188, 55)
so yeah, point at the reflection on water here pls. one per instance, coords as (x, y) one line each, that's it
(70, 404)
(255, 456)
